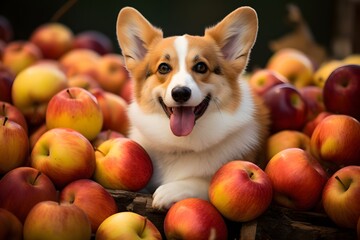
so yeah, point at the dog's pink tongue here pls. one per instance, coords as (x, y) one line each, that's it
(182, 121)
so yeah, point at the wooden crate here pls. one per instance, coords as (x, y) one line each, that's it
(277, 223)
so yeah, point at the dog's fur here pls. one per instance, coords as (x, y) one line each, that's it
(186, 152)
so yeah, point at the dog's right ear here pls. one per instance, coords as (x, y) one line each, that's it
(135, 35)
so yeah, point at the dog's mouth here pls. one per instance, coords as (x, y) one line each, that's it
(183, 118)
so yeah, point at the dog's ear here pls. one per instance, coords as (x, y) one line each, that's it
(235, 35)
(135, 35)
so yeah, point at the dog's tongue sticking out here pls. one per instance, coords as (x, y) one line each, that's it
(182, 120)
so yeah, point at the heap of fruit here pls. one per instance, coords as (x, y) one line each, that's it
(63, 142)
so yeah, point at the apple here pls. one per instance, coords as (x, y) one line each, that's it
(19, 55)
(264, 79)
(75, 108)
(83, 80)
(51, 220)
(353, 58)
(111, 73)
(80, 61)
(122, 164)
(13, 113)
(22, 188)
(126, 92)
(53, 38)
(242, 182)
(105, 135)
(324, 71)
(11, 227)
(94, 40)
(293, 65)
(127, 225)
(297, 179)
(33, 88)
(36, 134)
(64, 155)
(313, 97)
(311, 124)
(288, 109)
(342, 90)
(6, 80)
(6, 29)
(334, 141)
(92, 198)
(286, 139)
(194, 218)
(341, 195)
(114, 111)
(14, 145)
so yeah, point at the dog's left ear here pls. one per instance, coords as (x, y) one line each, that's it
(235, 35)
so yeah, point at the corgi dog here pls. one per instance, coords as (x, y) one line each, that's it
(191, 111)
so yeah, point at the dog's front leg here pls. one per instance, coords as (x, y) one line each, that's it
(168, 194)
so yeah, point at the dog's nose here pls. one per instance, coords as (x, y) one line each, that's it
(181, 94)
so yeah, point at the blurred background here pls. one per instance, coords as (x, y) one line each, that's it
(328, 25)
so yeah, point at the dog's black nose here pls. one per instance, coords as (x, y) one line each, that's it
(181, 94)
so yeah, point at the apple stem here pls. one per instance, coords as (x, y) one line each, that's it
(96, 149)
(5, 120)
(37, 176)
(68, 91)
(144, 226)
(342, 183)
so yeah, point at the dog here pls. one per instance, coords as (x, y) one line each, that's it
(192, 112)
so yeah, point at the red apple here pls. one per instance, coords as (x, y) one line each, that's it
(14, 114)
(288, 109)
(127, 225)
(313, 97)
(114, 111)
(126, 92)
(194, 218)
(14, 145)
(22, 188)
(311, 125)
(342, 90)
(94, 40)
(264, 79)
(80, 61)
(53, 38)
(341, 196)
(36, 134)
(105, 135)
(51, 220)
(19, 55)
(6, 81)
(64, 155)
(6, 29)
(297, 179)
(240, 182)
(82, 80)
(334, 141)
(11, 227)
(92, 198)
(75, 108)
(118, 162)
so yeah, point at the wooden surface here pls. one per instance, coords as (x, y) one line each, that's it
(276, 223)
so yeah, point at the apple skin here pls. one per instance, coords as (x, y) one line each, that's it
(264, 79)
(64, 155)
(22, 188)
(11, 227)
(127, 225)
(36, 134)
(324, 71)
(313, 97)
(105, 135)
(342, 89)
(293, 65)
(340, 197)
(94, 40)
(34, 87)
(19, 55)
(114, 111)
(286, 139)
(333, 141)
(84, 81)
(311, 125)
(118, 161)
(240, 182)
(297, 179)
(126, 92)
(194, 218)
(287, 107)
(75, 108)
(92, 198)
(51, 220)
(14, 114)
(80, 61)
(53, 38)
(14, 145)
(6, 81)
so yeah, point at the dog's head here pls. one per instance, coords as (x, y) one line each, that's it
(186, 77)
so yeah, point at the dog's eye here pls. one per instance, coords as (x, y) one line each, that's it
(164, 68)
(200, 67)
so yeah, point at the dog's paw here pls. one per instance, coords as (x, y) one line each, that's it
(168, 194)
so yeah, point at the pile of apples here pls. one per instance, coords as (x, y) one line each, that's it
(63, 143)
